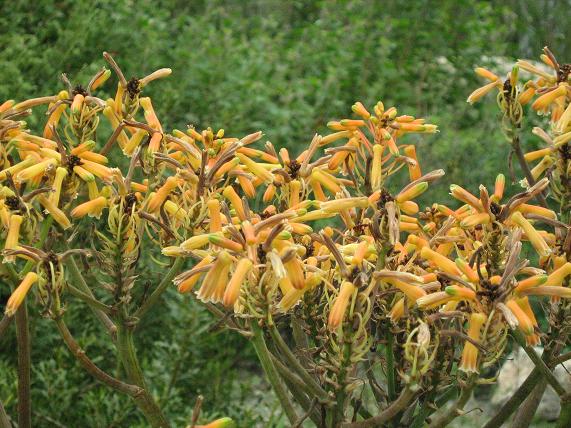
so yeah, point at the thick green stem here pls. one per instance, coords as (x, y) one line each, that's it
(128, 357)
(524, 415)
(79, 281)
(294, 364)
(400, 404)
(163, 285)
(457, 408)
(4, 324)
(90, 367)
(24, 346)
(540, 364)
(271, 372)
(564, 420)
(4, 419)
(24, 367)
(389, 356)
(515, 400)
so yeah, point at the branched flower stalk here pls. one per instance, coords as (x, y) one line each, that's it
(364, 309)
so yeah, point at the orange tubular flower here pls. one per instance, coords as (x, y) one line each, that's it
(214, 284)
(162, 193)
(13, 235)
(412, 192)
(544, 101)
(235, 201)
(233, 289)
(532, 234)
(441, 261)
(188, 283)
(19, 293)
(469, 362)
(339, 308)
(525, 324)
(532, 281)
(92, 208)
(219, 423)
(462, 293)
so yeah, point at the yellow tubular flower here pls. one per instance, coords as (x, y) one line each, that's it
(486, 74)
(535, 209)
(19, 293)
(77, 103)
(440, 261)
(196, 242)
(187, 285)
(412, 292)
(255, 168)
(463, 195)
(340, 304)
(230, 194)
(376, 167)
(532, 234)
(556, 277)
(219, 423)
(412, 192)
(409, 207)
(532, 281)
(13, 235)
(544, 101)
(162, 193)
(433, 300)
(413, 169)
(531, 339)
(469, 362)
(525, 325)
(462, 293)
(470, 273)
(61, 173)
(475, 220)
(481, 92)
(326, 180)
(223, 242)
(214, 284)
(359, 108)
(14, 169)
(233, 289)
(214, 215)
(92, 208)
(58, 215)
(33, 171)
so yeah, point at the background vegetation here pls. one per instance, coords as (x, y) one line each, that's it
(283, 67)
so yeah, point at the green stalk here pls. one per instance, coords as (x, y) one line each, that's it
(24, 367)
(79, 281)
(564, 420)
(163, 285)
(128, 357)
(457, 408)
(294, 364)
(24, 345)
(271, 372)
(4, 420)
(389, 356)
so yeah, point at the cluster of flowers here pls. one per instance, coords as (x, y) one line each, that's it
(324, 243)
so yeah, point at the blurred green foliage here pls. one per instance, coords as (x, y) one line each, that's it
(285, 68)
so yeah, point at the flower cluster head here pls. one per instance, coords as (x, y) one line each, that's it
(328, 240)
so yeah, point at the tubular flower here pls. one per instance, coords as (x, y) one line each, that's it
(469, 362)
(337, 312)
(19, 294)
